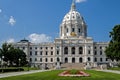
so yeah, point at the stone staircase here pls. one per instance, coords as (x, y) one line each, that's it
(72, 66)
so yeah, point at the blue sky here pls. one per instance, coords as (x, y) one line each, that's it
(39, 20)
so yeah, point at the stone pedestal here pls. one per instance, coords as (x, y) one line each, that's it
(58, 65)
(87, 66)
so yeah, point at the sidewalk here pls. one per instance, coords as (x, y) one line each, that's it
(112, 71)
(2, 75)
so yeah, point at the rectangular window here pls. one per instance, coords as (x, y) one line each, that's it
(106, 59)
(67, 30)
(35, 47)
(46, 60)
(51, 59)
(30, 53)
(79, 30)
(46, 53)
(41, 52)
(35, 59)
(95, 53)
(51, 52)
(40, 59)
(40, 47)
(100, 52)
(89, 51)
(35, 52)
(57, 52)
(46, 47)
(95, 59)
(101, 59)
(95, 47)
(30, 59)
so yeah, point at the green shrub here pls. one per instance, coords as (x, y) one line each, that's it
(119, 65)
(11, 69)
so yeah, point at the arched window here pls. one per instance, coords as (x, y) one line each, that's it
(80, 50)
(80, 60)
(66, 60)
(89, 59)
(73, 50)
(73, 60)
(66, 50)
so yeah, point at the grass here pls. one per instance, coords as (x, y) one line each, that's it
(73, 71)
(53, 75)
(115, 68)
(30, 68)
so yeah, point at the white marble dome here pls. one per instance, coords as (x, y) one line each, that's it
(73, 24)
(73, 15)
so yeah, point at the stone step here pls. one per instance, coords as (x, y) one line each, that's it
(72, 66)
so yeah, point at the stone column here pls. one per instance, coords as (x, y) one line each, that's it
(85, 53)
(69, 51)
(77, 51)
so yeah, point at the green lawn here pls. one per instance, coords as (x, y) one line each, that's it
(26, 68)
(115, 68)
(53, 75)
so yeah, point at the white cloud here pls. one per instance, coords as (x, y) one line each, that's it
(12, 21)
(11, 40)
(39, 38)
(80, 1)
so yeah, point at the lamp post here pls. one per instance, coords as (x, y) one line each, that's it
(28, 64)
(2, 61)
(19, 63)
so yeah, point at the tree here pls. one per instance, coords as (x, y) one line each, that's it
(113, 50)
(4, 51)
(12, 55)
(17, 54)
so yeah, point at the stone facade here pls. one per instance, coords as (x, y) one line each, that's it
(73, 47)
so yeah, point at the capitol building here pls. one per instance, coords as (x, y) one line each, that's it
(72, 49)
